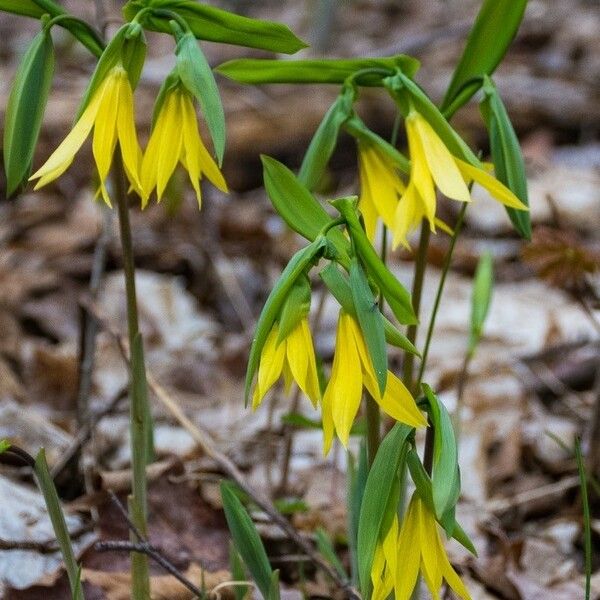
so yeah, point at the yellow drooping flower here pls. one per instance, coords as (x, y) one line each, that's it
(417, 548)
(175, 138)
(352, 370)
(432, 163)
(380, 187)
(110, 113)
(294, 357)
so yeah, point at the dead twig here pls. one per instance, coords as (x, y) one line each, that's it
(207, 445)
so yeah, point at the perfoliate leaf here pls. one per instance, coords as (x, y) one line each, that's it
(506, 155)
(295, 307)
(445, 475)
(400, 85)
(59, 524)
(329, 70)
(27, 8)
(297, 266)
(246, 540)
(25, 109)
(495, 28)
(481, 298)
(324, 141)
(395, 294)
(339, 287)
(380, 499)
(357, 480)
(126, 49)
(299, 208)
(217, 25)
(198, 78)
(370, 321)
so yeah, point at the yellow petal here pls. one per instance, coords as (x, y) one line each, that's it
(191, 143)
(105, 127)
(409, 550)
(171, 143)
(209, 167)
(313, 389)
(420, 174)
(63, 156)
(297, 357)
(409, 213)
(431, 549)
(151, 157)
(270, 366)
(130, 148)
(344, 390)
(369, 378)
(496, 189)
(399, 403)
(441, 162)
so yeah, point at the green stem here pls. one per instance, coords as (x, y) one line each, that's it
(417, 290)
(138, 399)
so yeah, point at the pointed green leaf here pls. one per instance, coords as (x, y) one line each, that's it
(217, 25)
(325, 547)
(445, 475)
(395, 294)
(298, 265)
(236, 567)
(25, 109)
(380, 499)
(246, 539)
(296, 306)
(299, 208)
(59, 524)
(324, 141)
(198, 78)
(27, 8)
(506, 155)
(370, 321)
(274, 591)
(357, 480)
(495, 28)
(331, 70)
(339, 287)
(481, 298)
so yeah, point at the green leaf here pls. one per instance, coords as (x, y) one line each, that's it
(357, 480)
(298, 265)
(397, 297)
(27, 8)
(299, 208)
(495, 28)
(331, 70)
(506, 155)
(325, 139)
(58, 523)
(445, 475)
(481, 298)
(380, 499)
(217, 25)
(296, 306)
(198, 78)
(4, 446)
(246, 539)
(127, 47)
(370, 321)
(339, 287)
(301, 421)
(25, 109)
(274, 593)
(236, 566)
(325, 547)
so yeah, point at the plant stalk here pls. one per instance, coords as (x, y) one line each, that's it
(139, 410)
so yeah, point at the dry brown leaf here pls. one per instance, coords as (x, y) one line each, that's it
(162, 587)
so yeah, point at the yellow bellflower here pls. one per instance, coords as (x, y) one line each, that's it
(416, 548)
(175, 138)
(294, 358)
(432, 163)
(380, 187)
(110, 114)
(351, 371)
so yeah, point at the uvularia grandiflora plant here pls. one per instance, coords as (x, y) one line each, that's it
(393, 543)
